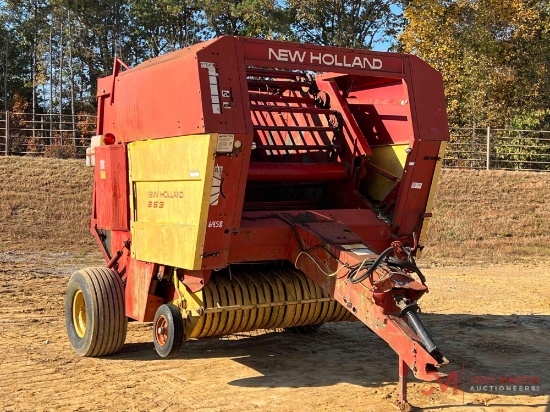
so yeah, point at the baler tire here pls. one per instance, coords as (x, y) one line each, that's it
(304, 329)
(95, 318)
(168, 343)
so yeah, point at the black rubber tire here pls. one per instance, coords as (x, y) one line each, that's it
(105, 318)
(304, 329)
(175, 330)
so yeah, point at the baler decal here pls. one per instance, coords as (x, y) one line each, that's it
(225, 143)
(216, 185)
(327, 59)
(214, 90)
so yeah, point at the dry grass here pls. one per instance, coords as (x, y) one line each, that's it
(45, 204)
(490, 216)
(479, 216)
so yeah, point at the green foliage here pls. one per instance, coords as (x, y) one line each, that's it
(494, 56)
(521, 149)
(533, 120)
(346, 23)
(253, 18)
(158, 27)
(85, 36)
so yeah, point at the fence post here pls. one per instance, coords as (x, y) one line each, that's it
(7, 150)
(488, 147)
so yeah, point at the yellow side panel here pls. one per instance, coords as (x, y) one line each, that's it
(170, 183)
(391, 159)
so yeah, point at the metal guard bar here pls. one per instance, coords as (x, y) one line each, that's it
(295, 172)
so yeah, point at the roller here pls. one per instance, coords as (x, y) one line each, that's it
(264, 298)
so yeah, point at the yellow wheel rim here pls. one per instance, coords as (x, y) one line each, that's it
(79, 313)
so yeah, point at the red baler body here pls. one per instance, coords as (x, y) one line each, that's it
(321, 172)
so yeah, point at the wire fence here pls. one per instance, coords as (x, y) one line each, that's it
(507, 149)
(52, 135)
(55, 135)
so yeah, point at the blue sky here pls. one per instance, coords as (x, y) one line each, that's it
(384, 46)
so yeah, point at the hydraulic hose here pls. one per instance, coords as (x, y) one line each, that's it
(379, 260)
(371, 269)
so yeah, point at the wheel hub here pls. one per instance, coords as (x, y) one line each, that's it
(161, 330)
(79, 313)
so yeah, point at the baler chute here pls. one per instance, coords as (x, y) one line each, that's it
(244, 184)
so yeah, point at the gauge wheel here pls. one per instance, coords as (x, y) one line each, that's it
(168, 330)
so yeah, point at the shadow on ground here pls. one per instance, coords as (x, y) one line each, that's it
(477, 346)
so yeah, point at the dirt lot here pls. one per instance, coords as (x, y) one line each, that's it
(489, 311)
(493, 321)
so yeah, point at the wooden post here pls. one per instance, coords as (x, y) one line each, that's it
(488, 162)
(7, 150)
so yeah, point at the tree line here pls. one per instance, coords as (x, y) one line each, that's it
(494, 54)
(55, 50)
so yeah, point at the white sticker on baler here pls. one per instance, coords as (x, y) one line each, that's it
(362, 251)
(225, 143)
(213, 79)
(416, 185)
